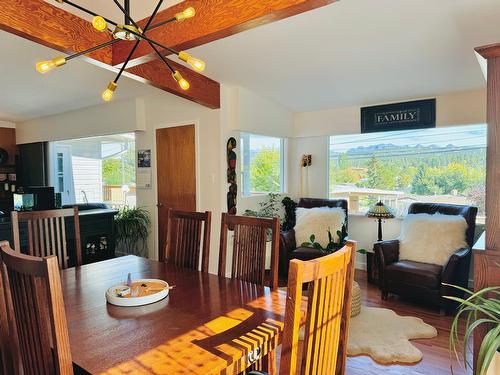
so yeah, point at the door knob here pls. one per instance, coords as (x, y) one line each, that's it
(159, 205)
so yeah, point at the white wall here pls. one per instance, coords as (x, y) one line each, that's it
(461, 108)
(110, 118)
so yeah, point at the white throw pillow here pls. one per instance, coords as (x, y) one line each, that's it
(317, 221)
(431, 238)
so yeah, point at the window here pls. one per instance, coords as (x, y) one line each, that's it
(441, 165)
(97, 169)
(261, 164)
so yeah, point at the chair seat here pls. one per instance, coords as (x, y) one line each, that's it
(306, 253)
(415, 273)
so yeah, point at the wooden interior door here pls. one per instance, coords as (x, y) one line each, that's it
(176, 173)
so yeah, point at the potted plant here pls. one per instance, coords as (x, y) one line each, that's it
(267, 209)
(132, 227)
(331, 247)
(479, 308)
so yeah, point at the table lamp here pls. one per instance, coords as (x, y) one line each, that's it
(380, 211)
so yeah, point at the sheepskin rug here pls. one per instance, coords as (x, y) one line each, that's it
(431, 238)
(384, 336)
(317, 221)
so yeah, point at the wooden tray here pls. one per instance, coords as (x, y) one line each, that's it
(147, 290)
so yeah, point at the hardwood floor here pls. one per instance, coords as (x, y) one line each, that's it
(436, 359)
(436, 356)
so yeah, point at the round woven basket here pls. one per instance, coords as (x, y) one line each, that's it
(356, 299)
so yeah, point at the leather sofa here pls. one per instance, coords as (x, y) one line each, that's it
(422, 281)
(288, 246)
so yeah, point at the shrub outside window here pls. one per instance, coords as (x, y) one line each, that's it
(440, 165)
(261, 164)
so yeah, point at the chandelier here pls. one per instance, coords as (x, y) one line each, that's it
(129, 31)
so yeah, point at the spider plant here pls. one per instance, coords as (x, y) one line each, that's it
(479, 308)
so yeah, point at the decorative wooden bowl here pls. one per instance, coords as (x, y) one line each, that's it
(142, 292)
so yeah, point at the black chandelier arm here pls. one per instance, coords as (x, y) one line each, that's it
(162, 57)
(155, 12)
(108, 43)
(127, 15)
(124, 65)
(161, 23)
(151, 41)
(137, 43)
(89, 12)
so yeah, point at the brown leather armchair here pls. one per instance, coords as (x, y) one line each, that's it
(288, 246)
(423, 281)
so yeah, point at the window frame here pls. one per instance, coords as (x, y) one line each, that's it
(244, 175)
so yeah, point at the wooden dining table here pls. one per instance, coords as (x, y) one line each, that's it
(207, 324)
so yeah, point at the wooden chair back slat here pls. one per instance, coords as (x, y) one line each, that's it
(249, 248)
(33, 292)
(6, 352)
(46, 231)
(188, 239)
(329, 280)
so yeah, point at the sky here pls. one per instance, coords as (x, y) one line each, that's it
(470, 135)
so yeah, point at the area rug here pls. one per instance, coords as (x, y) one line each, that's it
(384, 336)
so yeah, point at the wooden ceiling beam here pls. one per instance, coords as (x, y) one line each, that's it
(53, 27)
(215, 19)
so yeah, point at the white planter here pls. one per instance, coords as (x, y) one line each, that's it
(494, 368)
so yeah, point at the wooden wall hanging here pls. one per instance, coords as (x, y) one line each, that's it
(231, 176)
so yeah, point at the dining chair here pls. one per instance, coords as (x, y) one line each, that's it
(46, 234)
(34, 296)
(249, 248)
(188, 235)
(324, 348)
(6, 354)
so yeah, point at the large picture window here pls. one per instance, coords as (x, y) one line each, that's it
(261, 164)
(97, 169)
(441, 165)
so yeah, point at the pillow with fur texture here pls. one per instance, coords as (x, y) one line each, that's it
(431, 238)
(317, 221)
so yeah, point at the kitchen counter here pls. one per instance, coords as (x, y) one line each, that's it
(97, 232)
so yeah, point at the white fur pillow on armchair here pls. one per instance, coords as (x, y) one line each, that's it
(431, 238)
(317, 221)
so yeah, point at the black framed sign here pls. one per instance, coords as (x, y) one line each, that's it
(418, 114)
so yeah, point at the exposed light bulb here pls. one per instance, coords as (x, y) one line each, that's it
(197, 64)
(180, 80)
(46, 66)
(99, 23)
(107, 95)
(186, 13)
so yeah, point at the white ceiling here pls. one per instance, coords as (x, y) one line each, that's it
(26, 94)
(352, 52)
(360, 52)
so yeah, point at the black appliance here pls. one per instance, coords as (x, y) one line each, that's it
(34, 198)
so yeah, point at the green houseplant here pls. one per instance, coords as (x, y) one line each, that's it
(132, 226)
(479, 308)
(331, 247)
(267, 209)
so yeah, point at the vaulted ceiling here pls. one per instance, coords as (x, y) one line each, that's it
(357, 52)
(351, 52)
